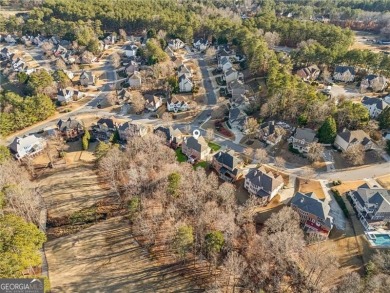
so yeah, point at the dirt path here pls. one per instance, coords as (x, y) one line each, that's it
(72, 189)
(106, 258)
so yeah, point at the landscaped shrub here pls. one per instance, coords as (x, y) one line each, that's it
(341, 202)
(336, 182)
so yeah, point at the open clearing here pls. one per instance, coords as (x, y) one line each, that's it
(311, 186)
(348, 185)
(71, 189)
(384, 181)
(106, 258)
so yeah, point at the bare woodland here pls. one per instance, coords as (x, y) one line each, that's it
(173, 207)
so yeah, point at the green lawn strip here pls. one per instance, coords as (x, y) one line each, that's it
(215, 147)
(180, 156)
(201, 164)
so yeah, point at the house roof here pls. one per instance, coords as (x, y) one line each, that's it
(170, 132)
(87, 75)
(268, 127)
(230, 71)
(174, 99)
(236, 85)
(224, 60)
(131, 47)
(198, 145)
(152, 99)
(20, 145)
(135, 75)
(134, 127)
(380, 104)
(227, 158)
(70, 123)
(109, 122)
(306, 134)
(355, 136)
(124, 94)
(64, 92)
(373, 198)
(343, 69)
(183, 69)
(184, 78)
(308, 71)
(266, 181)
(309, 203)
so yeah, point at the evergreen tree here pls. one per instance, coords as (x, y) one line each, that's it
(328, 131)
(384, 118)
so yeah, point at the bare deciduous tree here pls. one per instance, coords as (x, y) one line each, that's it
(210, 52)
(315, 152)
(280, 162)
(74, 67)
(272, 39)
(122, 34)
(111, 98)
(261, 156)
(235, 265)
(60, 64)
(116, 60)
(307, 174)
(137, 102)
(355, 154)
(251, 126)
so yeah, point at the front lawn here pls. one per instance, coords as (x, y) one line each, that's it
(180, 156)
(215, 147)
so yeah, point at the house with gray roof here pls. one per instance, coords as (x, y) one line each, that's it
(230, 75)
(271, 133)
(195, 149)
(185, 83)
(302, 139)
(224, 63)
(129, 130)
(237, 118)
(174, 137)
(27, 146)
(263, 184)
(314, 213)
(152, 102)
(375, 106)
(344, 73)
(227, 165)
(371, 203)
(344, 140)
(70, 129)
(87, 78)
(372, 82)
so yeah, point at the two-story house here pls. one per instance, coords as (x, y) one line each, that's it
(344, 73)
(195, 149)
(70, 129)
(372, 82)
(270, 133)
(302, 139)
(344, 140)
(27, 146)
(263, 184)
(227, 165)
(134, 80)
(128, 130)
(224, 63)
(185, 84)
(314, 214)
(201, 44)
(104, 129)
(375, 106)
(237, 118)
(87, 78)
(309, 73)
(176, 44)
(174, 137)
(371, 203)
(131, 50)
(152, 102)
(177, 104)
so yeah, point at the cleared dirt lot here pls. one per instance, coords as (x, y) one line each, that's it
(71, 189)
(311, 186)
(384, 181)
(106, 258)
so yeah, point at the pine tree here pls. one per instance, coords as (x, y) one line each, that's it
(328, 131)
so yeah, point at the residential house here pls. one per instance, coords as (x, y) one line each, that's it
(224, 52)
(309, 73)
(344, 73)
(195, 149)
(123, 95)
(28, 70)
(152, 102)
(66, 44)
(347, 138)
(128, 130)
(185, 84)
(87, 78)
(176, 44)
(9, 39)
(314, 214)
(110, 40)
(372, 82)
(134, 80)
(26, 146)
(5, 53)
(174, 137)
(18, 65)
(201, 44)
(104, 129)
(302, 139)
(375, 106)
(224, 63)
(70, 129)
(131, 50)
(59, 50)
(131, 67)
(371, 203)
(237, 119)
(177, 103)
(183, 69)
(65, 95)
(227, 165)
(271, 133)
(230, 75)
(236, 88)
(69, 74)
(87, 58)
(263, 184)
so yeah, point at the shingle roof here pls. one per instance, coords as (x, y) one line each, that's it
(87, 75)
(267, 181)
(227, 158)
(355, 136)
(196, 144)
(306, 134)
(373, 198)
(70, 123)
(109, 122)
(308, 202)
(343, 69)
(379, 103)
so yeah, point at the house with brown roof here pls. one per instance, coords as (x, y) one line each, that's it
(227, 165)
(152, 102)
(263, 184)
(70, 129)
(195, 148)
(372, 82)
(344, 140)
(309, 73)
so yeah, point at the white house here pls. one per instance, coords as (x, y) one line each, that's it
(201, 44)
(9, 39)
(67, 95)
(134, 80)
(183, 69)
(176, 104)
(375, 106)
(302, 139)
(224, 63)
(185, 84)
(230, 75)
(152, 102)
(346, 139)
(131, 67)
(131, 50)
(69, 74)
(26, 146)
(344, 73)
(18, 65)
(176, 44)
(263, 184)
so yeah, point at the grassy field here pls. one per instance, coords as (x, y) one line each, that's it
(214, 147)
(180, 156)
